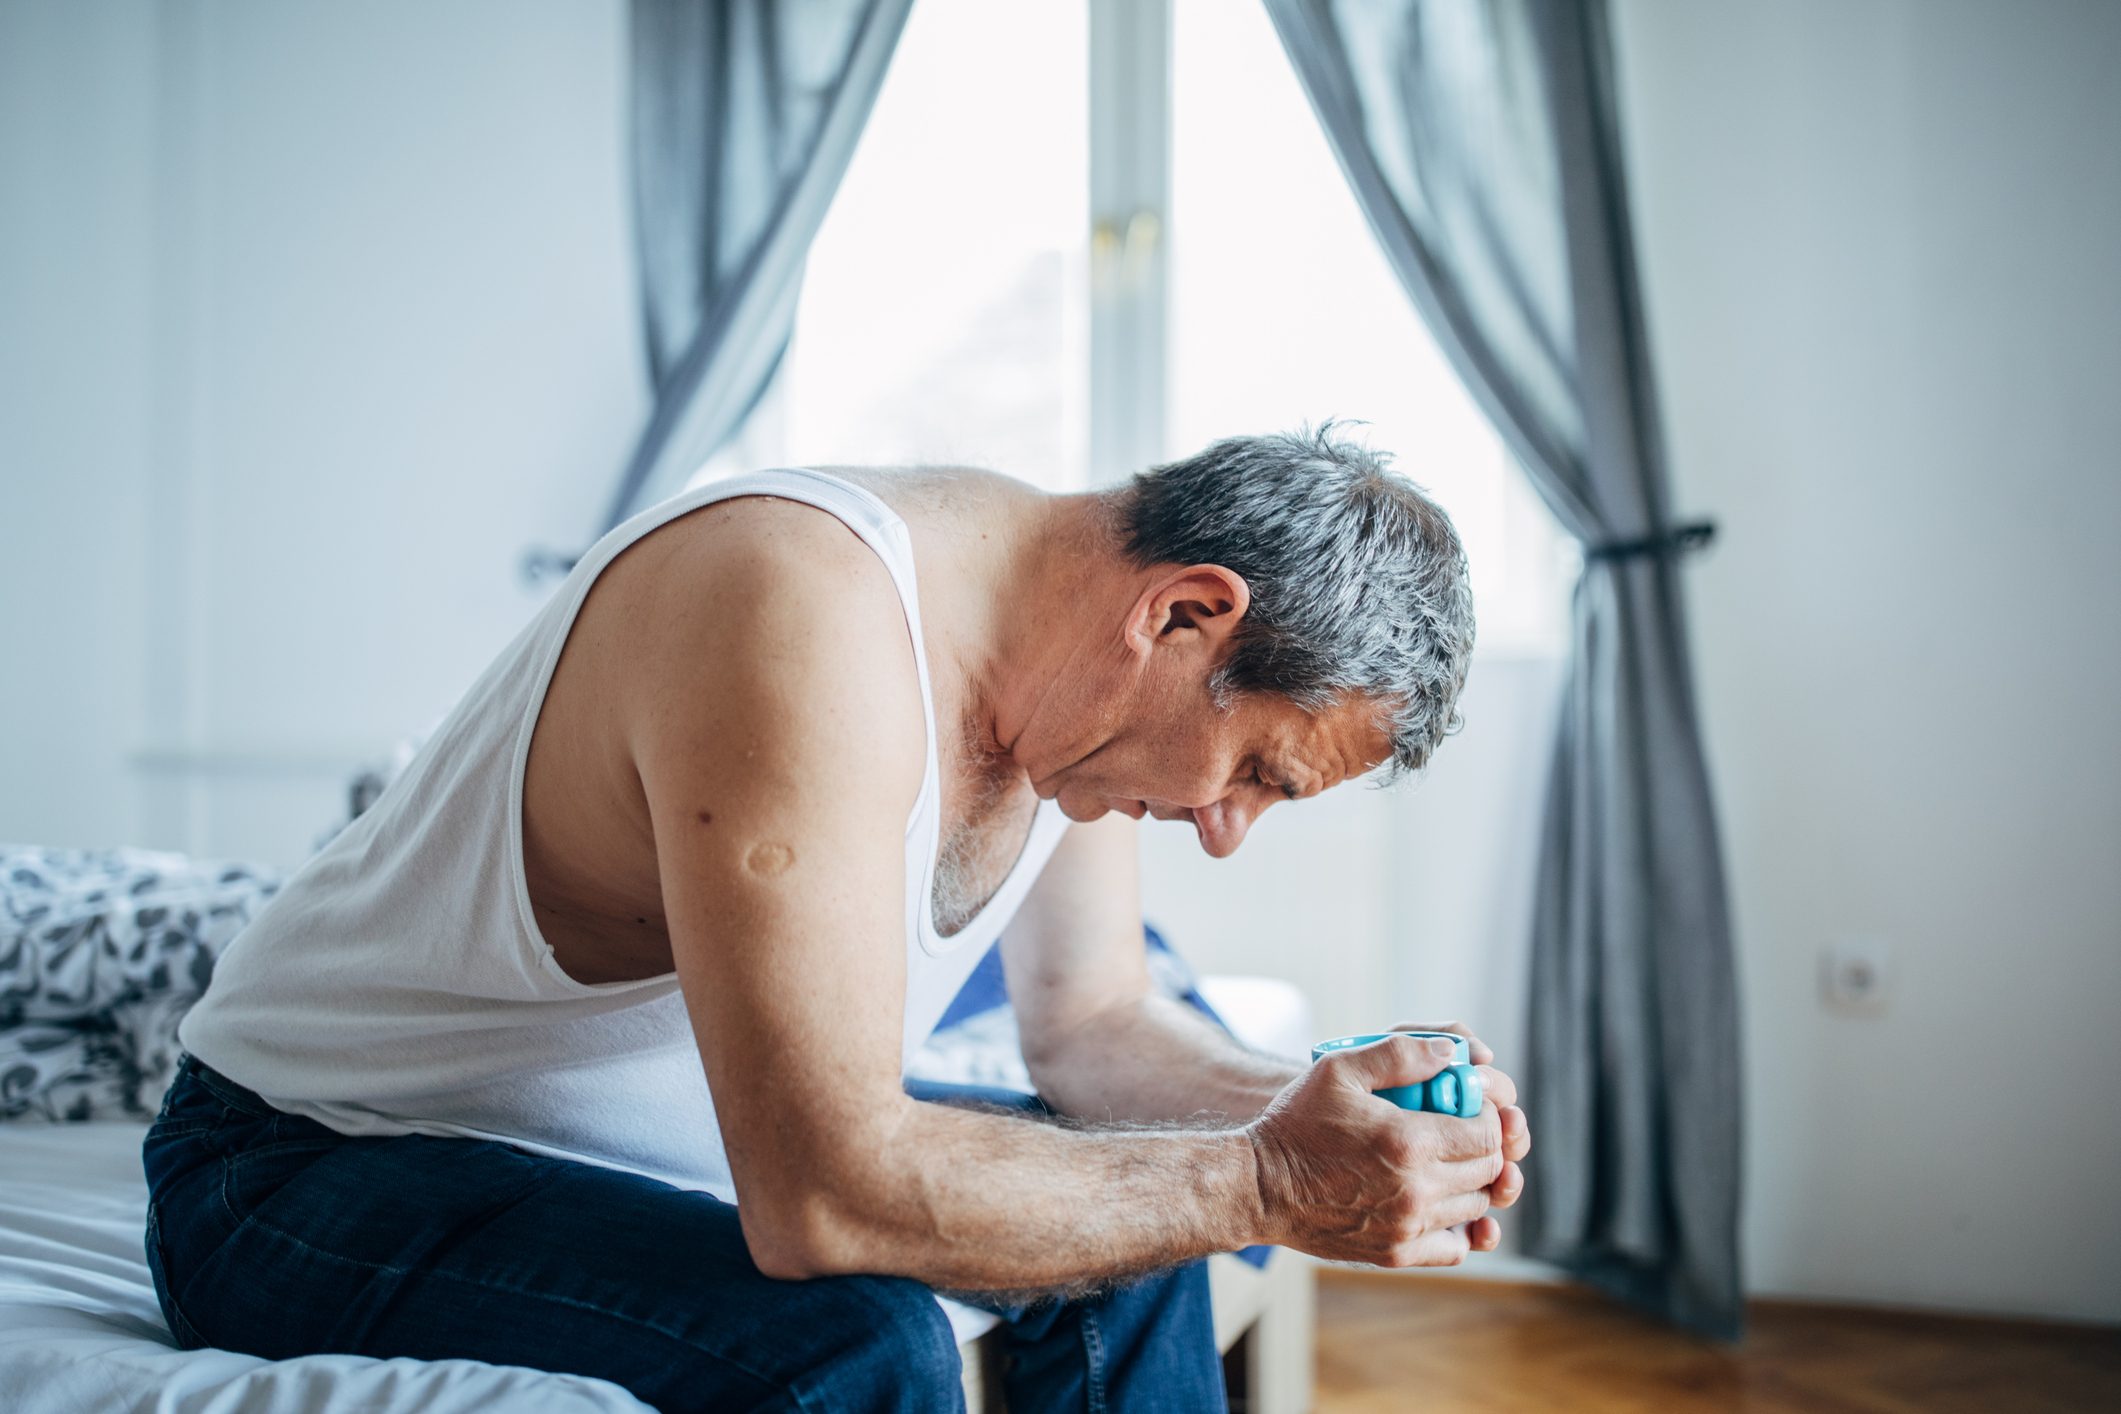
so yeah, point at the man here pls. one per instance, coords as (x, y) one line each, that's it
(583, 1048)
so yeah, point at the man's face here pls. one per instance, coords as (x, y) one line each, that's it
(1175, 756)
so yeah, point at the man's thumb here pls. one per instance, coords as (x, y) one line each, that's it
(1396, 1060)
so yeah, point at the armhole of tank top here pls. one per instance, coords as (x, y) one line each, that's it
(599, 558)
(1048, 824)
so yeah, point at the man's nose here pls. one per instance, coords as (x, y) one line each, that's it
(1222, 825)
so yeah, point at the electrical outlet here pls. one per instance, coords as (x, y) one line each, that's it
(1855, 975)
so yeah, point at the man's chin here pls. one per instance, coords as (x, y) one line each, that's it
(1082, 812)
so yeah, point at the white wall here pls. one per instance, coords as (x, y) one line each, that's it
(318, 316)
(76, 386)
(1882, 248)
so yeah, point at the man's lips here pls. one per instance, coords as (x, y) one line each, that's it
(1158, 811)
(1176, 814)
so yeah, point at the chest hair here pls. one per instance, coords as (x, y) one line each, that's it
(983, 833)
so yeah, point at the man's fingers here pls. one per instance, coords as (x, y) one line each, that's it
(1460, 1209)
(1516, 1133)
(1505, 1190)
(1450, 1137)
(1481, 1054)
(1483, 1234)
(1396, 1060)
(1469, 1175)
(1498, 1087)
(1444, 1247)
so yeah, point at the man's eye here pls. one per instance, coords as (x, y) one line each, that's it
(1287, 792)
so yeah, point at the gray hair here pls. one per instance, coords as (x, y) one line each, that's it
(1358, 579)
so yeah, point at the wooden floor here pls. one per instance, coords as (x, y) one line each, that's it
(1396, 1342)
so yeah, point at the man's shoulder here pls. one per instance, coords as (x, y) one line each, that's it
(763, 538)
(748, 568)
(761, 619)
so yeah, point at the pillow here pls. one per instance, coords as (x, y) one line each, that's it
(101, 954)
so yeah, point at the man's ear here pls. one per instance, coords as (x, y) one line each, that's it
(1199, 606)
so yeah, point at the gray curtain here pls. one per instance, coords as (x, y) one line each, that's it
(745, 114)
(1480, 139)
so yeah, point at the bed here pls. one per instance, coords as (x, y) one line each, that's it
(89, 993)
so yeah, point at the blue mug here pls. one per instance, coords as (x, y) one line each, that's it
(1454, 1090)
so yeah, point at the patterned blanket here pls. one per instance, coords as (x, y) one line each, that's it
(101, 953)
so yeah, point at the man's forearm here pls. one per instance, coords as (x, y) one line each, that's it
(1157, 1059)
(979, 1200)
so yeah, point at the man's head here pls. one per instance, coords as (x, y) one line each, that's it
(1300, 615)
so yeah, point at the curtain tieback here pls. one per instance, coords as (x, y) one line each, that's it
(1679, 540)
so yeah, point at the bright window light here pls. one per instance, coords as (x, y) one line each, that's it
(1284, 311)
(944, 313)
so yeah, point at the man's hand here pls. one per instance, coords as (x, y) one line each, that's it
(1516, 1133)
(1348, 1176)
(1501, 1090)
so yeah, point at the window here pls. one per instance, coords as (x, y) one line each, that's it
(945, 312)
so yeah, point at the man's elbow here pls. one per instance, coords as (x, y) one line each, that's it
(801, 1236)
(1044, 1045)
(778, 1247)
(820, 1203)
(1061, 1053)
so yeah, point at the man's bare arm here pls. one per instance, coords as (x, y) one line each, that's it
(1101, 1042)
(984, 1201)
(1155, 1058)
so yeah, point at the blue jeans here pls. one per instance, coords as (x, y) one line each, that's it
(270, 1234)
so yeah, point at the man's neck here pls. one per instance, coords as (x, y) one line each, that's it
(1030, 606)
(1009, 584)
(1018, 589)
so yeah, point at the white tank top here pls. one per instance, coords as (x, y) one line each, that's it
(399, 984)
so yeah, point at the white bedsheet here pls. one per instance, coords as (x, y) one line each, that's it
(80, 1329)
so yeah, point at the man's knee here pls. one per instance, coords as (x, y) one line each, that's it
(901, 1352)
(1174, 1300)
